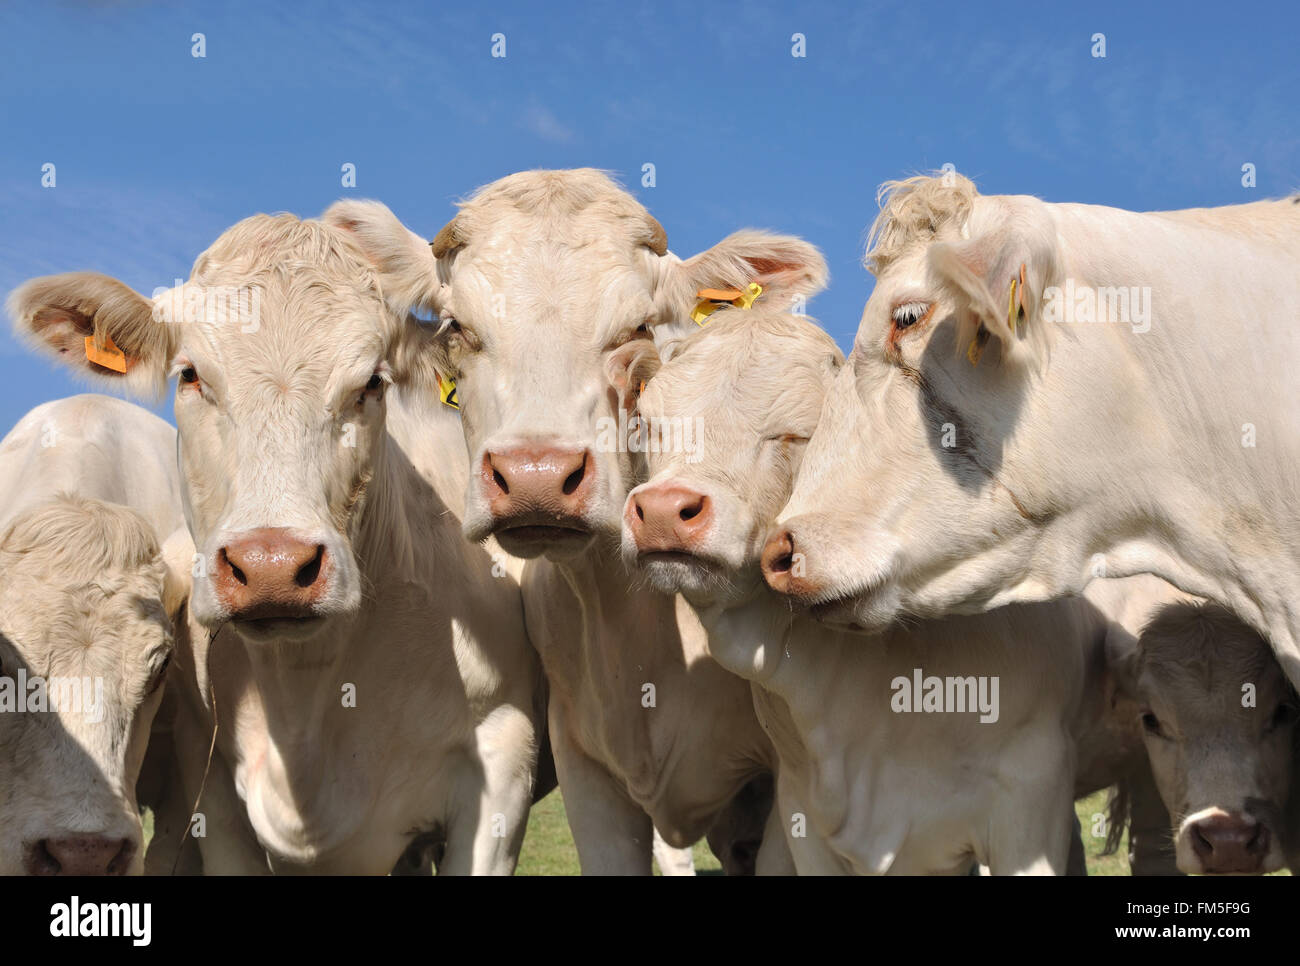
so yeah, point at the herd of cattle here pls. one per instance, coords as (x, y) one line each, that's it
(445, 523)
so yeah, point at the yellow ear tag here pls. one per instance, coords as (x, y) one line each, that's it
(711, 299)
(108, 355)
(751, 294)
(1011, 308)
(447, 391)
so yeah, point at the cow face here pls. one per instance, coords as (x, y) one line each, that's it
(283, 348)
(915, 494)
(85, 640)
(727, 417)
(1218, 719)
(539, 281)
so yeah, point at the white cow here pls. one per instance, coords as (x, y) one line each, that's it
(922, 749)
(367, 671)
(548, 286)
(87, 608)
(1043, 393)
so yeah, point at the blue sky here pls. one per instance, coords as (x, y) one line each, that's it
(157, 152)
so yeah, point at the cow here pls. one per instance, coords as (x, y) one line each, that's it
(1040, 394)
(364, 672)
(870, 780)
(1218, 720)
(88, 615)
(550, 288)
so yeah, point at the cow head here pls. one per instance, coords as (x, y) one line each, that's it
(728, 417)
(913, 496)
(541, 282)
(86, 611)
(284, 348)
(1218, 719)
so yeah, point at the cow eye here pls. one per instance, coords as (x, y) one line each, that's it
(159, 676)
(189, 376)
(908, 314)
(1284, 715)
(1151, 724)
(374, 387)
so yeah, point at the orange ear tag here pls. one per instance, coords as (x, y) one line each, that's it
(109, 355)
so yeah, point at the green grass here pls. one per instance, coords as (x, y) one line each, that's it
(548, 846)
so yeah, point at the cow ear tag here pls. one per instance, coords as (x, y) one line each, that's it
(711, 299)
(108, 355)
(447, 391)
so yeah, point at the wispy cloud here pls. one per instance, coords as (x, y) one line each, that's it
(542, 121)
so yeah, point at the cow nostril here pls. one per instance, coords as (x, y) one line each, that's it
(42, 861)
(500, 480)
(235, 571)
(1258, 843)
(782, 561)
(692, 511)
(574, 479)
(310, 571)
(640, 511)
(1200, 843)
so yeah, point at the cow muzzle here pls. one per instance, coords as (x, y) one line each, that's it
(668, 520)
(1224, 843)
(80, 855)
(271, 574)
(538, 497)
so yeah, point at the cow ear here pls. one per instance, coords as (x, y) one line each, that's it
(786, 267)
(1122, 651)
(629, 368)
(408, 272)
(103, 330)
(995, 285)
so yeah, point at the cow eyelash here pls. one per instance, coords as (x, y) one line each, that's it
(159, 676)
(907, 314)
(374, 387)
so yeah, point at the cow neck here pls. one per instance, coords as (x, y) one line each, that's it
(1248, 564)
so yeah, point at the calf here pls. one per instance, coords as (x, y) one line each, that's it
(873, 777)
(366, 671)
(550, 286)
(1218, 719)
(87, 612)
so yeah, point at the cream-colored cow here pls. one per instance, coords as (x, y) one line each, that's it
(1041, 392)
(881, 769)
(549, 286)
(367, 671)
(87, 611)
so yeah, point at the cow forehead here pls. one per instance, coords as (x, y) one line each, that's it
(61, 631)
(299, 326)
(511, 275)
